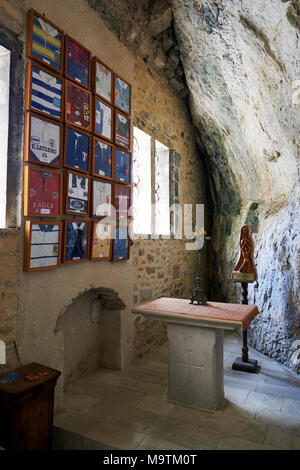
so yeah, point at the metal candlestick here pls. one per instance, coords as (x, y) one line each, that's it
(198, 294)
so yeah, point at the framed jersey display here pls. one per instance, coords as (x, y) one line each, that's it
(43, 141)
(121, 200)
(77, 149)
(122, 166)
(101, 245)
(77, 62)
(44, 91)
(78, 191)
(103, 81)
(121, 244)
(42, 192)
(122, 130)
(103, 119)
(102, 198)
(76, 246)
(44, 41)
(122, 91)
(42, 245)
(102, 158)
(78, 106)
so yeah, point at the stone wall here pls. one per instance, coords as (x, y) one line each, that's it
(164, 267)
(9, 292)
(32, 302)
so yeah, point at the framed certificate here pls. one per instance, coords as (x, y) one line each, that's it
(122, 130)
(103, 154)
(77, 62)
(78, 193)
(43, 141)
(44, 41)
(42, 192)
(101, 244)
(44, 93)
(103, 119)
(121, 200)
(121, 245)
(102, 198)
(76, 241)
(42, 245)
(77, 149)
(103, 81)
(122, 166)
(122, 92)
(78, 106)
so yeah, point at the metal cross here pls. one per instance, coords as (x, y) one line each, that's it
(190, 364)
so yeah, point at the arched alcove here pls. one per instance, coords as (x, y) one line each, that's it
(90, 328)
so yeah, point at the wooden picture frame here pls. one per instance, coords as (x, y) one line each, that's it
(121, 247)
(77, 205)
(43, 142)
(77, 149)
(78, 106)
(122, 130)
(44, 92)
(77, 62)
(46, 243)
(103, 120)
(101, 248)
(43, 44)
(103, 159)
(121, 192)
(76, 248)
(122, 95)
(122, 165)
(102, 193)
(103, 81)
(43, 192)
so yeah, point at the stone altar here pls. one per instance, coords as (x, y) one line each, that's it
(195, 337)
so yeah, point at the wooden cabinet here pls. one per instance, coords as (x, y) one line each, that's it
(26, 410)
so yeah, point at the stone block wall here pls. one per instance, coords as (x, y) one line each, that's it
(9, 292)
(164, 267)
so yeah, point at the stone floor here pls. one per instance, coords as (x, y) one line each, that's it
(128, 409)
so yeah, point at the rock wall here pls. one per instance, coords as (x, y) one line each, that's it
(241, 60)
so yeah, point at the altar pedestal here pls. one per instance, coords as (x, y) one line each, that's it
(195, 335)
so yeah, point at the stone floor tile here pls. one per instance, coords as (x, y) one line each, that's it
(119, 379)
(234, 443)
(279, 390)
(126, 397)
(262, 400)
(184, 434)
(241, 383)
(157, 366)
(234, 394)
(114, 436)
(279, 437)
(74, 422)
(291, 407)
(157, 390)
(296, 444)
(276, 418)
(155, 443)
(134, 419)
(145, 375)
(78, 402)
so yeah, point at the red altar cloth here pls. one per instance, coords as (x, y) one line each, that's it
(239, 313)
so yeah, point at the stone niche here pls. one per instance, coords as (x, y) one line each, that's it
(90, 330)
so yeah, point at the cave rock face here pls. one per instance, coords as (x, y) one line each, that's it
(241, 61)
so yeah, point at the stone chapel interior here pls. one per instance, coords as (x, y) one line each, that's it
(201, 100)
